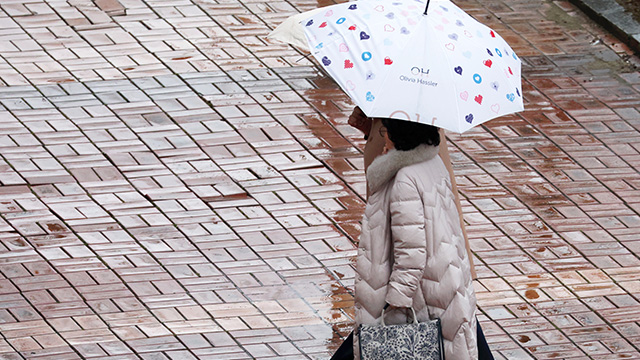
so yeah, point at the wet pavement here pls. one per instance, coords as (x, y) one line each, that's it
(174, 186)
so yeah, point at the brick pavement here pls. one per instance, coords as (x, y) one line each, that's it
(174, 186)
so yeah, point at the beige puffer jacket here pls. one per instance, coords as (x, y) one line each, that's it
(412, 252)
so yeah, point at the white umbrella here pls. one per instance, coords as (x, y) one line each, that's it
(291, 31)
(442, 68)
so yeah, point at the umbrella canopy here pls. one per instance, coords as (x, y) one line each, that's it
(442, 68)
(291, 30)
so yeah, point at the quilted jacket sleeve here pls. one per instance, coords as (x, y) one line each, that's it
(409, 243)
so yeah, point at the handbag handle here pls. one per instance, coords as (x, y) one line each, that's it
(413, 313)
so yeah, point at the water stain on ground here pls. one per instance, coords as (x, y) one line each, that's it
(524, 339)
(246, 20)
(53, 227)
(341, 300)
(323, 3)
(561, 17)
(615, 66)
(18, 243)
(531, 294)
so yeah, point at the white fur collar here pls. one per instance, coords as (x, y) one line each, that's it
(385, 167)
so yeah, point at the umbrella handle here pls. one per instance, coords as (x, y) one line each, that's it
(427, 7)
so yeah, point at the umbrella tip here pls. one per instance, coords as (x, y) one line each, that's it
(426, 7)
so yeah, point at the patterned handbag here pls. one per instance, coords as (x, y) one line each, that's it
(417, 340)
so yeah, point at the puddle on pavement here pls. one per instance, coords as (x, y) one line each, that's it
(524, 339)
(18, 243)
(53, 227)
(246, 20)
(531, 294)
(341, 307)
(334, 343)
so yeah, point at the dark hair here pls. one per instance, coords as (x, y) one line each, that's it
(407, 135)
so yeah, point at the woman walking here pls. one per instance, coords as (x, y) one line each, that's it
(412, 251)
